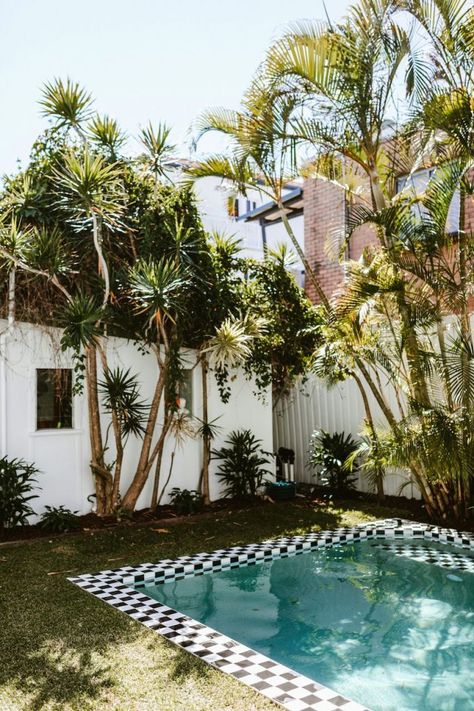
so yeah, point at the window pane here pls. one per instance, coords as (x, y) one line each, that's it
(185, 392)
(53, 398)
(183, 397)
(452, 223)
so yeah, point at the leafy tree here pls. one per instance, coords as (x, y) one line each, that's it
(117, 253)
(389, 325)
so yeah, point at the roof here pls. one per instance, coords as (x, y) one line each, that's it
(269, 213)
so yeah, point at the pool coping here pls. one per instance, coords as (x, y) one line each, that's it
(275, 681)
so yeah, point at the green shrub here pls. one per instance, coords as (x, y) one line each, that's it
(333, 455)
(242, 464)
(17, 481)
(186, 501)
(59, 519)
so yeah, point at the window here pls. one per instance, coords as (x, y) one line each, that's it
(183, 398)
(53, 398)
(232, 206)
(419, 181)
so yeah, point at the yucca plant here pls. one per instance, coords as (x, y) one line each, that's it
(242, 463)
(158, 150)
(17, 482)
(333, 456)
(105, 132)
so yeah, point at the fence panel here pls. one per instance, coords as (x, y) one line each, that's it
(312, 406)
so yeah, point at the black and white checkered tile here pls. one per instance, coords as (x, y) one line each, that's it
(121, 589)
(423, 554)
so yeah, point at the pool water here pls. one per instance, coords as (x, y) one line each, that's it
(370, 620)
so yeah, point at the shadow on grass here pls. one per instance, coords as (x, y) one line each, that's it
(55, 646)
(185, 666)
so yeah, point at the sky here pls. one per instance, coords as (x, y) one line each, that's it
(142, 60)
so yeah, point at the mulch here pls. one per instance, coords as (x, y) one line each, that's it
(163, 515)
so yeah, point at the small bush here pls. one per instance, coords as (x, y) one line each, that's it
(242, 464)
(333, 455)
(17, 481)
(186, 501)
(59, 519)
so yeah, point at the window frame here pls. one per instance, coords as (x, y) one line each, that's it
(49, 430)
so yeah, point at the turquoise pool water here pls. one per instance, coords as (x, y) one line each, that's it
(378, 626)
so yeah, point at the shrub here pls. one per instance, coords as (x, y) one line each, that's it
(59, 519)
(242, 464)
(186, 501)
(17, 481)
(331, 453)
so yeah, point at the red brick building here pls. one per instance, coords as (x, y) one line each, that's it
(325, 213)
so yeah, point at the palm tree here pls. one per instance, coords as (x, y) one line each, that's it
(262, 154)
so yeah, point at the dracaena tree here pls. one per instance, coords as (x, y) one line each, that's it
(91, 242)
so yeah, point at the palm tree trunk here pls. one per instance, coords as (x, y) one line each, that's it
(373, 432)
(308, 270)
(205, 440)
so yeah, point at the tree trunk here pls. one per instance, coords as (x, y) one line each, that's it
(159, 459)
(370, 423)
(308, 270)
(103, 478)
(11, 297)
(145, 462)
(206, 444)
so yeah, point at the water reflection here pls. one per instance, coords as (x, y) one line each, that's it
(394, 633)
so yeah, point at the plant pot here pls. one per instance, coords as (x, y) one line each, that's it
(281, 490)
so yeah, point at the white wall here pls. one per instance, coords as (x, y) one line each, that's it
(312, 406)
(212, 194)
(63, 455)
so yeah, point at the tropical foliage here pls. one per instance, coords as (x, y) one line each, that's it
(104, 245)
(17, 485)
(384, 92)
(332, 455)
(242, 463)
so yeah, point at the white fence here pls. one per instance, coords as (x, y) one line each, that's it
(63, 455)
(312, 406)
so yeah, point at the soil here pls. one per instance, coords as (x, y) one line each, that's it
(92, 522)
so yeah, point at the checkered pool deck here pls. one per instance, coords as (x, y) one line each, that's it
(121, 589)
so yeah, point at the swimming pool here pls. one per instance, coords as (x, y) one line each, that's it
(381, 614)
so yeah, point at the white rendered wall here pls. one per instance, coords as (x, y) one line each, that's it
(63, 456)
(212, 194)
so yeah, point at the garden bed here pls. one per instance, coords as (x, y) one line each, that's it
(308, 496)
(164, 515)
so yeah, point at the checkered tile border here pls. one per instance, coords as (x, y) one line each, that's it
(121, 589)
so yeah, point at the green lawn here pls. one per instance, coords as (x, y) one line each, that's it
(60, 648)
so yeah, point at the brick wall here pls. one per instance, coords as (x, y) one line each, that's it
(324, 215)
(323, 218)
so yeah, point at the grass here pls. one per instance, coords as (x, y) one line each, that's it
(61, 648)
